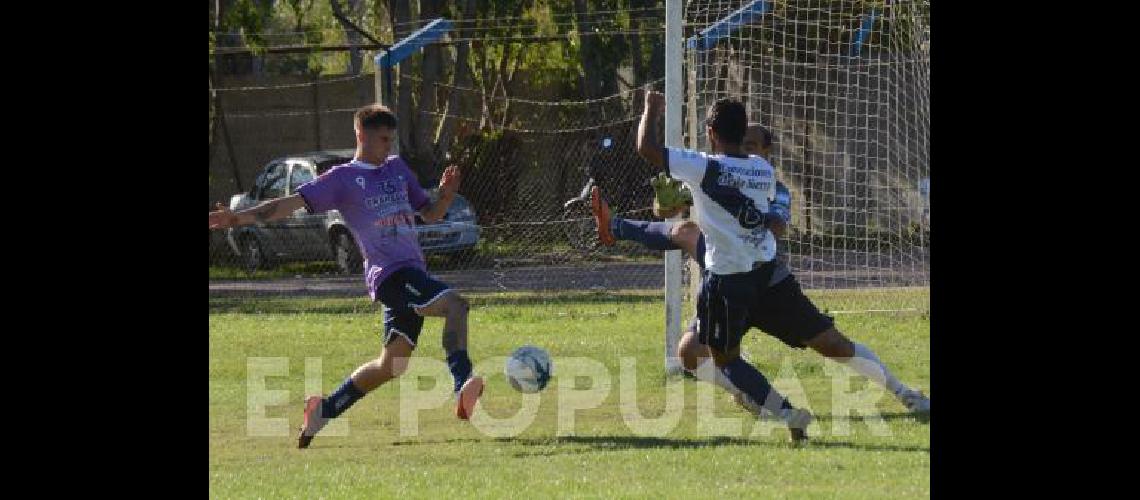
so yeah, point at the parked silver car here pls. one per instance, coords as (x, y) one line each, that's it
(308, 237)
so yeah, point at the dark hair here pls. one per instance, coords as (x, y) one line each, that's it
(728, 119)
(766, 136)
(374, 116)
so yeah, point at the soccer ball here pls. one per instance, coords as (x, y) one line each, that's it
(528, 369)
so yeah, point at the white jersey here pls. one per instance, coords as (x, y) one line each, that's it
(730, 194)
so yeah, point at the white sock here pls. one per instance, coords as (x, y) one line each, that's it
(866, 363)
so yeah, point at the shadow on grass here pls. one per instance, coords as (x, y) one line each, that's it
(885, 416)
(562, 445)
(587, 444)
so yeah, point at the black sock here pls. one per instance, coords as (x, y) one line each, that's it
(750, 381)
(345, 396)
(460, 366)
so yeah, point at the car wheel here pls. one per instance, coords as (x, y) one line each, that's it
(348, 258)
(253, 255)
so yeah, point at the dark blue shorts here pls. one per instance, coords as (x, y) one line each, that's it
(401, 293)
(784, 312)
(724, 303)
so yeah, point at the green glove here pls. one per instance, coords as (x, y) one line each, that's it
(670, 194)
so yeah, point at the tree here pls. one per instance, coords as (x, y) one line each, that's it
(431, 71)
(461, 77)
(601, 53)
(401, 16)
(355, 14)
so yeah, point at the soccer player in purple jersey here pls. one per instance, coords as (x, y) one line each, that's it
(378, 196)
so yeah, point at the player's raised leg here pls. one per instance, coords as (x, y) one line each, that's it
(653, 235)
(450, 305)
(786, 313)
(832, 344)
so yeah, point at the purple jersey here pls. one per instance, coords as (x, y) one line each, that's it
(378, 204)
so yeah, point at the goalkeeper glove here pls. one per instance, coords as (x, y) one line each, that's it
(670, 195)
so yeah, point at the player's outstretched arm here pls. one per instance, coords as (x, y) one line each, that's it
(448, 186)
(267, 211)
(781, 206)
(647, 145)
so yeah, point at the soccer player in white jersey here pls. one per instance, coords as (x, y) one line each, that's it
(730, 192)
(784, 312)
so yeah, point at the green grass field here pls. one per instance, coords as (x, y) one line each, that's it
(603, 457)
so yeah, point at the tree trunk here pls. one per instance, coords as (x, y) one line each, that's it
(588, 83)
(355, 56)
(220, 7)
(213, 115)
(461, 78)
(218, 11)
(508, 88)
(505, 74)
(402, 13)
(500, 81)
(635, 44)
(479, 52)
(266, 9)
(431, 71)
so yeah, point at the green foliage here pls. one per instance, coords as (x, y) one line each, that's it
(490, 170)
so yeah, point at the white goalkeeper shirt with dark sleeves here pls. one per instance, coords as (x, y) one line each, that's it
(731, 196)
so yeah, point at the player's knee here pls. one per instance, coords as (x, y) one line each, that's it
(395, 358)
(723, 358)
(457, 304)
(376, 372)
(685, 233)
(398, 366)
(691, 352)
(832, 344)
